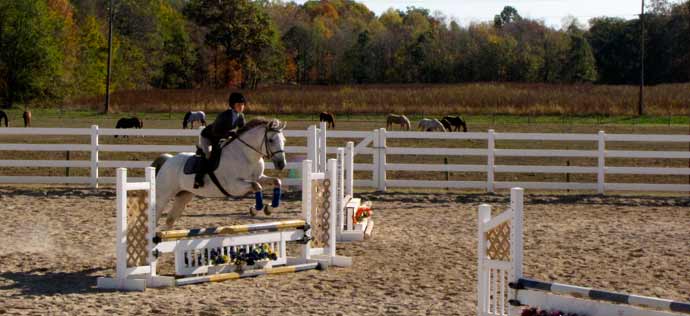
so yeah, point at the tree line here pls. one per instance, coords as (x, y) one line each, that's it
(52, 50)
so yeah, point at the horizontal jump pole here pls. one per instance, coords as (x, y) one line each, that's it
(253, 273)
(601, 295)
(167, 235)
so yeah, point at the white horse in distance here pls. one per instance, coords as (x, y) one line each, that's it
(195, 116)
(430, 125)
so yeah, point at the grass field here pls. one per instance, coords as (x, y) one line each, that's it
(439, 99)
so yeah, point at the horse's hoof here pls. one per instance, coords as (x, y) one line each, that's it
(267, 209)
(252, 211)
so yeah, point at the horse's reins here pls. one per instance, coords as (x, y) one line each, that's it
(264, 144)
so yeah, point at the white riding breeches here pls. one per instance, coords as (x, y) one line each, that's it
(205, 145)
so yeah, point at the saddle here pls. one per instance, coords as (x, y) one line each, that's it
(199, 165)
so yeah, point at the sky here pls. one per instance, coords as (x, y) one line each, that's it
(551, 11)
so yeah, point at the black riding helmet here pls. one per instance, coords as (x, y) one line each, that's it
(235, 98)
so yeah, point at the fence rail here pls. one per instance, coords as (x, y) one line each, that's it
(374, 144)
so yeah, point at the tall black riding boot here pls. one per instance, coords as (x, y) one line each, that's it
(199, 176)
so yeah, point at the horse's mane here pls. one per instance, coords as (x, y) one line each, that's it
(252, 124)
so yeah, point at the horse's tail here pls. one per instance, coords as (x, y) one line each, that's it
(158, 163)
(185, 119)
(3, 115)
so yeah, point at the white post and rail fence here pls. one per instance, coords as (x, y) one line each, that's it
(374, 155)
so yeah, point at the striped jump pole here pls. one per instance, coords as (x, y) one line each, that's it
(503, 291)
(168, 235)
(247, 274)
(599, 295)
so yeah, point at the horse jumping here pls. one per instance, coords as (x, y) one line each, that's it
(328, 118)
(401, 120)
(240, 170)
(456, 122)
(215, 254)
(194, 116)
(27, 118)
(430, 125)
(131, 122)
(4, 115)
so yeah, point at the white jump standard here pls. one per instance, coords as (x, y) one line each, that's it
(502, 289)
(139, 244)
(349, 229)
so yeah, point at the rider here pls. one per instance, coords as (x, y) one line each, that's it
(224, 126)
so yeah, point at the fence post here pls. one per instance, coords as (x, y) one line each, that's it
(94, 156)
(311, 147)
(490, 161)
(380, 159)
(349, 168)
(375, 159)
(323, 148)
(601, 164)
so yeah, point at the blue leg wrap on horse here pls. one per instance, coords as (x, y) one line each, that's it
(259, 200)
(276, 197)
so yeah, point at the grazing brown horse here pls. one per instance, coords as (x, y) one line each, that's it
(27, 118)
(456, 122)
(328, 118)
(4, 115)
(129, 122)
(397, 119)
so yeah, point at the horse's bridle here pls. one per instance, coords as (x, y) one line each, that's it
(264, 143)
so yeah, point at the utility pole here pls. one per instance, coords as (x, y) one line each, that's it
(640, 107)
(110, 52)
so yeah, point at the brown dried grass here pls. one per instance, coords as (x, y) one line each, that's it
(475, 98)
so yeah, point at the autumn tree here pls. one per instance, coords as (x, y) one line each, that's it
(241, 27)
(30, 55)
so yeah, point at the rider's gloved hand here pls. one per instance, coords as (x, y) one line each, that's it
(232, 134)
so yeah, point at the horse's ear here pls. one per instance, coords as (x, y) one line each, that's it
(282, 126)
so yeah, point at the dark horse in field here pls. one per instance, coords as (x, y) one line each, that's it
(4, 115)
(446, 124)
(328, 118)
(129, 122)
(27, 118)
(456, 122)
